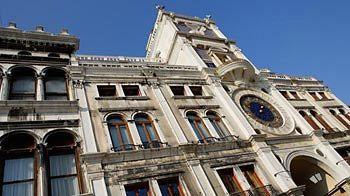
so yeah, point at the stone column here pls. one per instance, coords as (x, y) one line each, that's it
(40, 88)
(169, 115)
(4, 89)
(278, 174)
(210, 127)
(99, 187)
(155, 187)
(42, 182)
(201, 179)
(86, 129)
(70, 89)
(134, 133)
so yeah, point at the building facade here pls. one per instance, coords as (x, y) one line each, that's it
(193, 117)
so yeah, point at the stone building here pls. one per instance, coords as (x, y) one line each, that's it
(193, 117)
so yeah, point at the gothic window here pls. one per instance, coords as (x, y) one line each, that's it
(309, 120)
(323, 96)
(147, 131)
(120, 134)
(285, 94)
(314, 95)
(251, 176)
(339, 118)
(63, 165)
(198, 127)
(170, 186)
(138, 189)
(321, 120)
(55, 85)
(178, 90)
(229, 179)
(131, 90)
(217, 123)
(18, 163)
(22, 84)
(295, 95)
(196, 90)
(106, 90)
(346, 115)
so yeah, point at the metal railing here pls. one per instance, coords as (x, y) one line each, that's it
(154, 144)
(124, 147)
(267, 190)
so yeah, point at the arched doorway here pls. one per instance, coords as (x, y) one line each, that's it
(307, 171)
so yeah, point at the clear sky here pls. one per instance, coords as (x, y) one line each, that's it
(298, 37)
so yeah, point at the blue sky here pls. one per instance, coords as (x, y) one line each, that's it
(295, 37)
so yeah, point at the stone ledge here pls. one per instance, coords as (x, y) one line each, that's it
(131, 108)
(165, 152)
(287, 139)
(192, 97)
(33, 103)
(123, 98)
(334, 135)
(198, 106)
(10, 125)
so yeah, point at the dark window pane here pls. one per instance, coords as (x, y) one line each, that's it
(229, 180)
(251, 177)
(178, 90)
(211, 65)
(183, 27)
(170, 187)
(138, 189)
(114, 136)
(55, 85)
(23, 84)
(106, 90)
(196, 90)
(285, 94)
(131, 90)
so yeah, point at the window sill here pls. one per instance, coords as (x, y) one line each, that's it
(39, 124)
(123, 98)
(192, 97)
(325, 100)
(290, 99)
(48, 103)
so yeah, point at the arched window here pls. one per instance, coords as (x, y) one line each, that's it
(217, 123)
(339, 118)
(120, 134)
(347, 115)
(309, 120)
(321, 120)
(62, 165)
(22, 84)
(55, 85)
(146, 130)
(18, 163)
(198, 127)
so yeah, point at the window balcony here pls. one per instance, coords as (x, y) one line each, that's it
(267, 190)
(124, 147)
(154, 144)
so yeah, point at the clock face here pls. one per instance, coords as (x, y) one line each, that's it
(261, 111)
